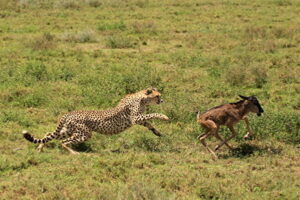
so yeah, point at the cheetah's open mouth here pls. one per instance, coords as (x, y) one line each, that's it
(159, 100)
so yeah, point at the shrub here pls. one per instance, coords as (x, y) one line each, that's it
(283, 2)
(142, 3)
(236, 76)
(259, 76)
(289, 75)
(144, 27)
(36, 71)
(68, 4)
(282, 125)
(66, 73)
(112, 26)
(4, 4)
(82, 36)
(187, 60)
(147, 143)
(86, 36)
(248, 76)
(33, 100)
(253, 32)
(26, 97)
(94, 3)
(44, 42)
(118, 41)
(145, 190)
(110, 83)
(15, 116)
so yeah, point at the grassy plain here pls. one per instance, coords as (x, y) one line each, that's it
(58, 56)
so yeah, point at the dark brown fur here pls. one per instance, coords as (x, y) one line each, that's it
(228, 115)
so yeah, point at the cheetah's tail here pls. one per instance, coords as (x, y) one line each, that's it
(47, 138)
(30, 138)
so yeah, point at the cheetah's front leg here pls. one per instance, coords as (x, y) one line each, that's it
(151, 128)
(142, 118)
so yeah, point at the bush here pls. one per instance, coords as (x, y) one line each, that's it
(120, 42)
(44, 42)
(283, 2)
(35, 71)
(148, 27)
(82, 36)
(187, 60)
(36, 99)
(282, 125)
(253, 32)
(289, 75)
(247, 76)
(108, 85)
(94, 3)
(26, 97)
(68, 4)
(259, 76)
(34, 4)
(15, 116)
(145, 190)
(112, 26)
(147, 143)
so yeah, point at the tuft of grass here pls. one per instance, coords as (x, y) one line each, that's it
(94, 3)
(145, 27)
(120, 42)
(16, 116)
(4, 4)
(254, 32)
(68, 4)
(86, 36)
(142, 3)
(112, 26)
(283, 2)
(36, 71)
(44, 42)
(247, 76)
(86, 55)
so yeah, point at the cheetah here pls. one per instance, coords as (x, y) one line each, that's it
(76, 127)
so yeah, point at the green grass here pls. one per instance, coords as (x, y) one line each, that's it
(59, 56)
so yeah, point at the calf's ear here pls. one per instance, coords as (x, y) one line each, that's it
(244, 97)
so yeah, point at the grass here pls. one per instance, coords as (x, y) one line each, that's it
(59, 56)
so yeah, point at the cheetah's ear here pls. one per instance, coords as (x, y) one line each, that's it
(149, 91)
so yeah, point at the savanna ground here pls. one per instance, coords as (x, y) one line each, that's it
(58, 56)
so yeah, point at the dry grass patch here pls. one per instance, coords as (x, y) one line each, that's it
(44, 42)
(84, 36)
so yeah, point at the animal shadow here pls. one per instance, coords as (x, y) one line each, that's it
(82, 147)
(247, 150)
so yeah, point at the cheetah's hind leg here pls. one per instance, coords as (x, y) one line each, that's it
(76, 138)
(41, 146)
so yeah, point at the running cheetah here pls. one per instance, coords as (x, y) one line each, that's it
(76, 127)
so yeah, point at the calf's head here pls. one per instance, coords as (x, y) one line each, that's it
(253, 104)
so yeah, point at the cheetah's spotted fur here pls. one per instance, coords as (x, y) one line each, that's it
(76, 127)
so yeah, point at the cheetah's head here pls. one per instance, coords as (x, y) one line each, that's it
(152, 96)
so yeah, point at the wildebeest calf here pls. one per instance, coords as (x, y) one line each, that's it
(228, 115)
